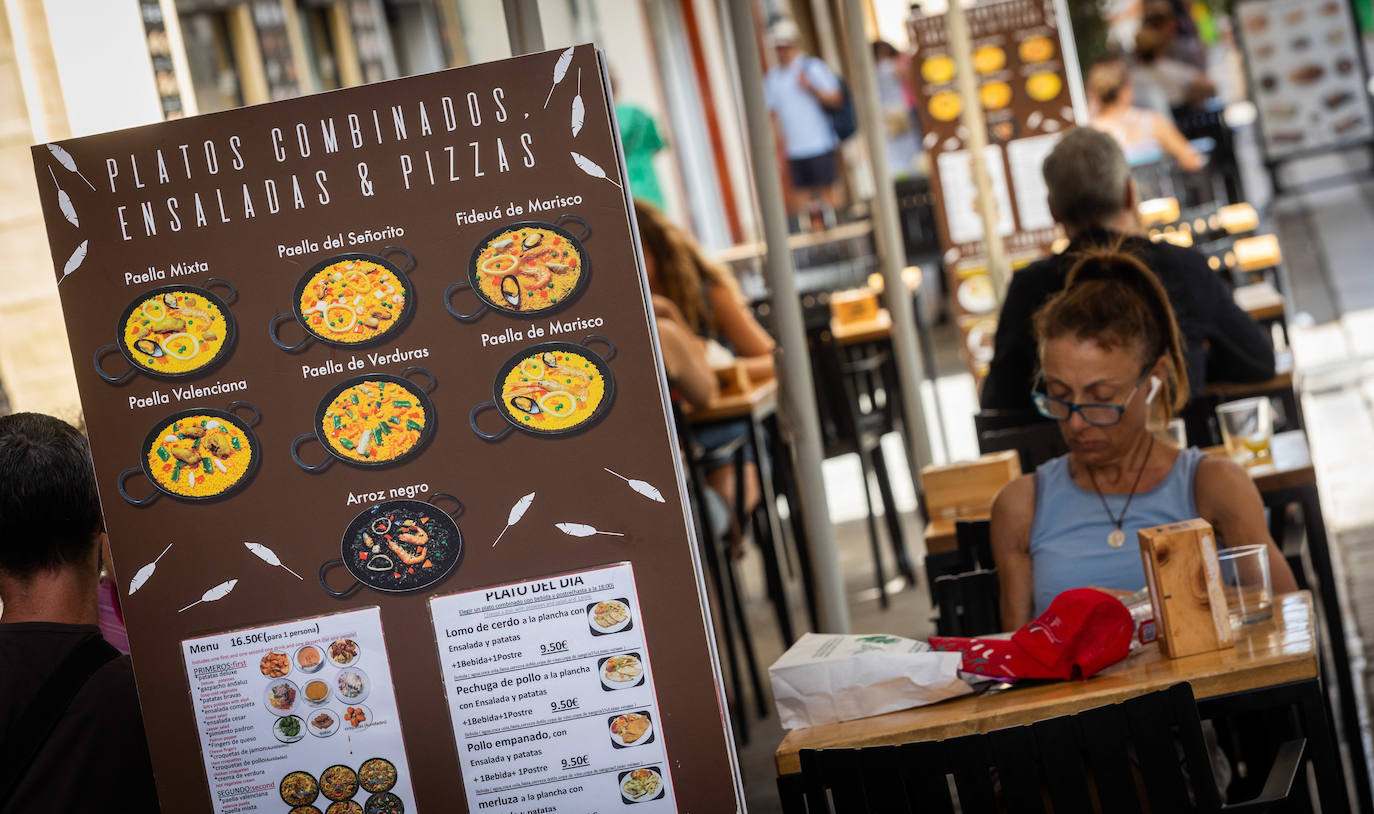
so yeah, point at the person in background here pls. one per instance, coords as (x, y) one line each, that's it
(1175, 24)
(70, 729)
(640, 139)
(799, 89)
(1110, 355)
(1091, 194)
(1182, 84)
(1145, 135)
(702, 299)
(903, 137)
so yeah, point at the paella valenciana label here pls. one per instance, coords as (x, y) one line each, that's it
(552, 695)
(344, 354)
(300, 714)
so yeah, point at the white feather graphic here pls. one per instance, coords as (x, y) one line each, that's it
(591, 168)
(74, 262)
(579, 111)
(64, 201)
(65, 159)
(145, 572)
(218, 592)
(516, 512)
(642, 487)
(560, 70)
(584, 530)
(270, 557)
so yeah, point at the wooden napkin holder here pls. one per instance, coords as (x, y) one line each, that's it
(854, 307)
(1184, 577)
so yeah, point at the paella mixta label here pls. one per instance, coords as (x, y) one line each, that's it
(324, 386)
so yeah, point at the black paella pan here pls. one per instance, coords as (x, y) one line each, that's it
(226, 463)
(399, 546)
(514, 293)
(397, 313)
(411, 421)
(526, 391)
(143, 354)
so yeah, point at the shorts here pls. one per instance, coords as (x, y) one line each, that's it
(816, 171)
(718, 436)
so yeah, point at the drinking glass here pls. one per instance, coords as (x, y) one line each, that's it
(1175, 432)
(1247, 426)
(1245, 583)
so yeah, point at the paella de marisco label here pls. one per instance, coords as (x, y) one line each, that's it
(288, 713)
(552, 696)
(555, 327)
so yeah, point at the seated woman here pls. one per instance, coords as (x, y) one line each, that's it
(1109, 355)
(1145, 136)
(700, 298)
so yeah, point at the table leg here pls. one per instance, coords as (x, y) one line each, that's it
(787, 477)
(777, 587)
(893, 517)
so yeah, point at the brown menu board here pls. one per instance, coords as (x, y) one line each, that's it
(384, 452)
(1023, 85)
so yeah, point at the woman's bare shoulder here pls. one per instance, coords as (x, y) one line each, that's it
(1016, 498)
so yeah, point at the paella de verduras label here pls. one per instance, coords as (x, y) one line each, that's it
(552, 695)
(300, 713)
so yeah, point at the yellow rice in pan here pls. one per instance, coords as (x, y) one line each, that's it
(199, 456)
(553, 390)
(352, 301)
(175, 332)
(374, 421)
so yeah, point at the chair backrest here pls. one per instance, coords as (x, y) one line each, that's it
(975, 542)
(1034, 443)
(1144, 754)
(968, 603)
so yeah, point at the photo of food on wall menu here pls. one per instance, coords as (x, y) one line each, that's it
(342, 354)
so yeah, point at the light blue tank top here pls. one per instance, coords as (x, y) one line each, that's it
(1068, 542)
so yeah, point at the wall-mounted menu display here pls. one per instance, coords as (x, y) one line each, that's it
(1307, 74)
(1028, 101)
(347, 362)
(553, 697)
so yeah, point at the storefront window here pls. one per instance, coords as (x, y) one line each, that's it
(210, 56)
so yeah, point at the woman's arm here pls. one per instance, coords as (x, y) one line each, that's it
(1227, 498)
(1175, 144)
(736, 323)
(1013, 510)
(686, 365)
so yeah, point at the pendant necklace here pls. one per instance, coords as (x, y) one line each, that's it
(1118, 537)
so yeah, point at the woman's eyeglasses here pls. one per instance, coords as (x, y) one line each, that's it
(1099, 415)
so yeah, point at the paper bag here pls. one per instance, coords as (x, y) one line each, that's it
(823, 678)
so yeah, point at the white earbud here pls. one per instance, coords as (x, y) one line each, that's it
(1155, 384)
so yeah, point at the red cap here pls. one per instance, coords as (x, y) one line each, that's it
(1082, 632)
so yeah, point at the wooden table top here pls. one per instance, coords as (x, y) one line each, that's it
(1260, 300)
(853, 333)
(1291, 465)
(763, 396)
(1266, 654)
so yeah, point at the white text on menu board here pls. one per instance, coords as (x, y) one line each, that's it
(552, 696)
(299, 714)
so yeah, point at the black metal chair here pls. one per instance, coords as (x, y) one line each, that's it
(1033, 437)
(1146, 754)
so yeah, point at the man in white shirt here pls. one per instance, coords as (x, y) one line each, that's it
(799, 90)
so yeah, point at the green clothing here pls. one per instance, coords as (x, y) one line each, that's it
(639, 137)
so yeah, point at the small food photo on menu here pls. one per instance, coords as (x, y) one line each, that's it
(526, 269)
(343, 652)
(197, 455)
(345, 807)
(641, 785)
(350, 300)
(551, 389)
(377, 775)
(384, 803)
(309, 658)
(621, 672)
(338, 782)
(611, 616)
(372, 421)
(323, 723)
(398, 546)
(275, 665)
(282, 697)
(173, 332)
(299, 788)
(351, 686)
(631, 729)
(289, 728)
(316, 692)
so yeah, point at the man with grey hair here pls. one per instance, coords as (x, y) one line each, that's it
(1092, 196)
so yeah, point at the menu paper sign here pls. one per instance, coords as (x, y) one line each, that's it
(1307, 74)
(299, 713)
(343, 354)
(552, 698)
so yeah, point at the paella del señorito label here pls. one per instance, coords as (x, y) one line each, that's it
(346, 362)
